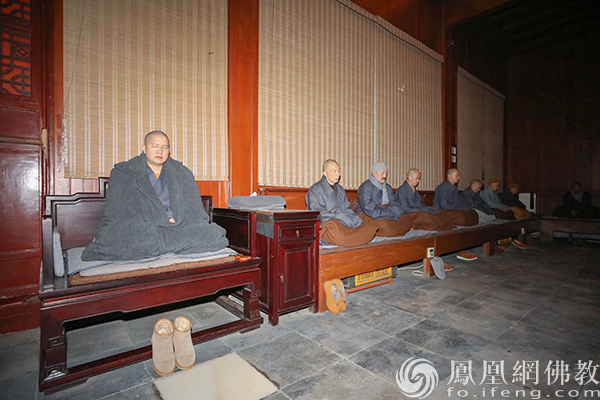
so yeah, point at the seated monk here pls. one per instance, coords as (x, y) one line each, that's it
(340, 225)
(490, 196)
(153, 206)
(472, 197)
(377, 205)
(456, 210)
(577, 204)
(411, 202)
(510, 197)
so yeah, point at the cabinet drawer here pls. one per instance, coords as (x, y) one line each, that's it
(297, 232)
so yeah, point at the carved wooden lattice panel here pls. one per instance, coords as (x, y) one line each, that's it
(16, 48)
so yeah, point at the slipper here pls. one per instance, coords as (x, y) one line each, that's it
(438, 267)
(518, 244)
(333, 297)
(342, 292)
(448, 267)
(466, 256)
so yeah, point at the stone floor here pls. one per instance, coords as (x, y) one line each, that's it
(516, 309)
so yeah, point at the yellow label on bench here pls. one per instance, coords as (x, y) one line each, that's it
(372, 276)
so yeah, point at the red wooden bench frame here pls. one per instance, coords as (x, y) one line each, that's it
(77, 218)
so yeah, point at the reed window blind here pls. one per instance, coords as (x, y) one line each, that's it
(480, 130)
(329, 87)
(134, 66)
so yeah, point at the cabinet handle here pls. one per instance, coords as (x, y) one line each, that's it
(281, 278)
(297, 234)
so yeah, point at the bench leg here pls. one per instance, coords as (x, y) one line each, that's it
(427, 270)
(251, 296)
(53, 348)
(489, 249)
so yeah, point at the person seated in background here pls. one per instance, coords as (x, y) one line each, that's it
(447, 198)
(153, 207)
(577, 203)
(377, 204)
(340, 225)
(510, 198)
(457, 211)
(425, 217)
(472, 197)
(490, 196)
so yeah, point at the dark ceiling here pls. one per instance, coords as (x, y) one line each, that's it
(535, 24)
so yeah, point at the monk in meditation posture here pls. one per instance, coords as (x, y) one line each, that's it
(510, 197)
(153, 207)
(425, 217)
(577, 204)
(472, 197)
(447, 198)
(490, 196)
(378, 205)
(340, 225)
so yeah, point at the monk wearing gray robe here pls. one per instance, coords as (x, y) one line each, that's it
(340, 225)
(153, 207)
(451, 204)
(425, 217)
(490, 197)
(378, 205)
(472, 197)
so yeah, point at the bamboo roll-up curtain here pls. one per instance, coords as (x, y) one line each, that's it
(134, 66)
(409, 111)
(480, 130)
(338, 82)
(316, 92)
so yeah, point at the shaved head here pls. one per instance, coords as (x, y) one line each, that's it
(412, 172)
(151, 135)
(328, 162)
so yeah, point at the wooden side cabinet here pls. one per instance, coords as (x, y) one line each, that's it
(287, 241)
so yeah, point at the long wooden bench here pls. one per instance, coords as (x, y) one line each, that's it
(342, 262)
(77, 218)
(549, 225)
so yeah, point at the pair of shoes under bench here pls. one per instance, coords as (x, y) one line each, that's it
(336, 296)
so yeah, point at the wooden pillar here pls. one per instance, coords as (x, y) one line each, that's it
(243, 96)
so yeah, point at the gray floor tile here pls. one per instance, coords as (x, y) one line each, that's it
(472, 322)
(386, 358)
(106, 384)
(19, 359)
(20, 387)
(503, 303)
(289, 358)
(96, 342)
(145, 391)
(343, 381)
(266, 333)
(444, 340)
(337, 333)
(380, 316)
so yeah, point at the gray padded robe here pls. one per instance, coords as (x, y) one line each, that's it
(447, 197)
(411, 201)
(332, 203)
(136, 225)
(370, 199)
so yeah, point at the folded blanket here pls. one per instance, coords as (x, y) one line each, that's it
(262, 203)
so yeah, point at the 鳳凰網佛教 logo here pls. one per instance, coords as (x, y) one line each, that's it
(417, 377)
